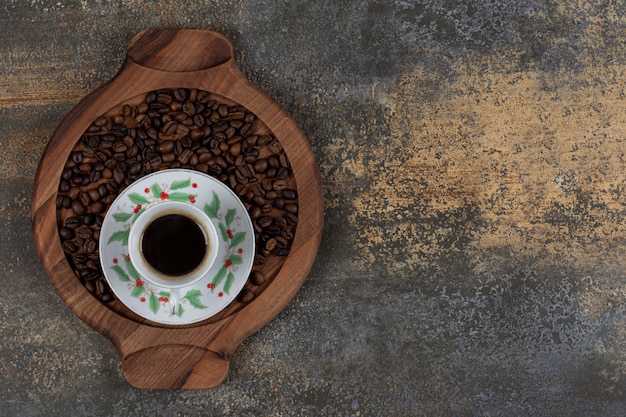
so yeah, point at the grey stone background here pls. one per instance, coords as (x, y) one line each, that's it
(472, 155)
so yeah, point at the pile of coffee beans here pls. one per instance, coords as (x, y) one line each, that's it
(176, 128)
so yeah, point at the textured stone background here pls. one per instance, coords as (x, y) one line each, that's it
(472, 154)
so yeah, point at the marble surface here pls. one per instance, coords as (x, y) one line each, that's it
(472, 155)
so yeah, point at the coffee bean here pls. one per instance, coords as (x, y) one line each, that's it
(97, 207)
(90, 245)
(66, 233)
(246, 296)
(264, 221)
(289, 194)
(257, 278)
(69, 247)
(291, 208)
(78, 208)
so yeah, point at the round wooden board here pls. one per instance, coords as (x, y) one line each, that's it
(158, 357)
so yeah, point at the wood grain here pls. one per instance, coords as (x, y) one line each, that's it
(193, 357)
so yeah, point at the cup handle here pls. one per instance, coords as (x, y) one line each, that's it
(174, 301)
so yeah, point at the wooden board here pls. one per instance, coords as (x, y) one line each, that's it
(160, 357)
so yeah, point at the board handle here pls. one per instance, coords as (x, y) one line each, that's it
(179, 50)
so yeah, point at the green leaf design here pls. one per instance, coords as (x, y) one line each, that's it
(120, 273)
(120, 235)
(223, 232)
(236, 259)
(131, 270)
(230, 215)
(237, 239)
(137, 291)
(137, 198)
(156, 190)
(213, 209)
(164, 294)
(219, 277)
(181, 310)
(193, 296)
(155, 304)
(177, 185)
(229, 282)
(178, 196)
(122, 217)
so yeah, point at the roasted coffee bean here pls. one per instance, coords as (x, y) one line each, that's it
(97, 207)
(67, 202)
(257, 278)
(77, 157)
(246, 296)
(289, 194)
(270, 244)
(69, 247)
(84, 232)
(64, 186)
(279, 185)
(66, 233)
(90, 245)
(84, 199)
(279, 203)
(264, 221)
(78, 208)
(260, 165)
(135, 168)
(291, 208)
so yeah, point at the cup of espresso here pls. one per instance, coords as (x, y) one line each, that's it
(172, 245)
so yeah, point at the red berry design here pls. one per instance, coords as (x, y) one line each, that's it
(164, 195)
(147, 191)
(221, 294)
(229, 233)
(211, 286)
(127, 258)
(115, 261)
(194, 185)
(142, 299)
(240, 251)
(137, 208)
(228, 263)
(192, 199)
(161, 299)
(139, 283)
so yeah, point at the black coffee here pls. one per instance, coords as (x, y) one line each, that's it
(174, 245)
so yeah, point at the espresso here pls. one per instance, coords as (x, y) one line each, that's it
(174, 245)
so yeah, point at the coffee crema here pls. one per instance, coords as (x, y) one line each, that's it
(174, 245)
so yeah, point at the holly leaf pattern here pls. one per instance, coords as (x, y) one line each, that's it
(155, 304)
(137, 198)
(120, 235)
(229, 282)
(122, 217)
(230, 215)
(223, 232)
(131, 269)
(236, 259)
(218, 277)
(237, 239)
(178, 196)
(213, 209)
(177, 185)
(156, 190)
(193, 296)
(137, 291)
(122, 275)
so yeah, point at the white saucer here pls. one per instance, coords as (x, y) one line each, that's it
(225, 279)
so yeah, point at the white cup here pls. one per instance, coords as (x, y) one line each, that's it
(164, 255)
